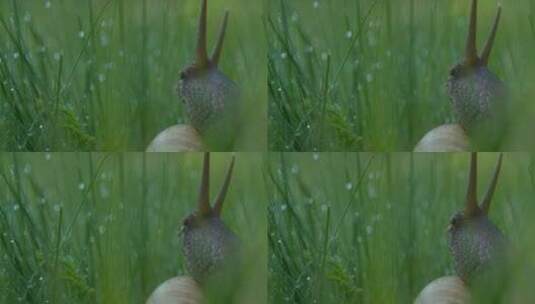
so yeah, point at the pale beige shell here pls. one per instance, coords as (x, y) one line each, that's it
(178, 290)
(446, 138)
(178, 138)
(444, 290)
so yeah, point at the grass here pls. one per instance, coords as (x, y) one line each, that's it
(100, 75)
(370, 228)
(369, 75)
(102, 228)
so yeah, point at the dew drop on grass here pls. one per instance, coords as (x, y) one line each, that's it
(57, 56)
(295, 169)
(81, 186)
(349, 34)
(48, 156)
(316, 4)
(16, 207)
(369, 229)
(101, 229)
(284, 207)
(101, 78)
(27, 17)
(349, 185)
(284, 55)
(369, 77)
(324, 56)
(81, 34)
(48, 4)
(104, 40)
(16, 55)
(104, 191)
(315, 156)
(27, 169)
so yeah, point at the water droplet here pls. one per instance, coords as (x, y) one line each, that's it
(324, 56)
(284, 207)
(16, 55)
(27, 17)
(57, 56)
(101, 229)
(16, 207)
(295, 169)
(81, 34)
(349, 185)
(101, 77)
(48, 4)
(369, 230)
(284, 55)
(369, 77)
(316, 4)
(48, 156)
(81, 186)
(315, 156)
(349, 34)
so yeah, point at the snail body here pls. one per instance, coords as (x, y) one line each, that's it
(178, 290)
(208, 246)
(444, 290)
(178, 138)
(477, 95)
(211, 98)
(445, 138)
(475, 243)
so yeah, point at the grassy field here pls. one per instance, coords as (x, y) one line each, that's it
(102, 228)
(369, 75)
(100, 75)
(371, 228)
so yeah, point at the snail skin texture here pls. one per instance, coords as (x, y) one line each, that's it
(444, 290)
(446, 138)
(179, 138)
(178, 290)
(479, 100)
(207, 245)
(211, 101)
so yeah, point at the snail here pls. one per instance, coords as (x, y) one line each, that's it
(478, 98)
(211, 101)
(476, 244)
(183, 138)
(209, 247)
(445, 290)
(446, 138)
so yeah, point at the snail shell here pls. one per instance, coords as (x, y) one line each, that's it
(178, 138)
(178, 290)
(444, 290)
(446, 138)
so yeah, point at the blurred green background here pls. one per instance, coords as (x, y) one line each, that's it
(102, 228)
(371, 228)
(369, 75)
(100, 75)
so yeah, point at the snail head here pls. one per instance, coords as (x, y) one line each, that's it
(204, 211)
(474, 210)
(202, 62)
(472, 61)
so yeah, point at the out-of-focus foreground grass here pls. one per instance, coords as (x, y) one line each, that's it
(95, 228)
(101, 74)
(371, 228)
(369, 75)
